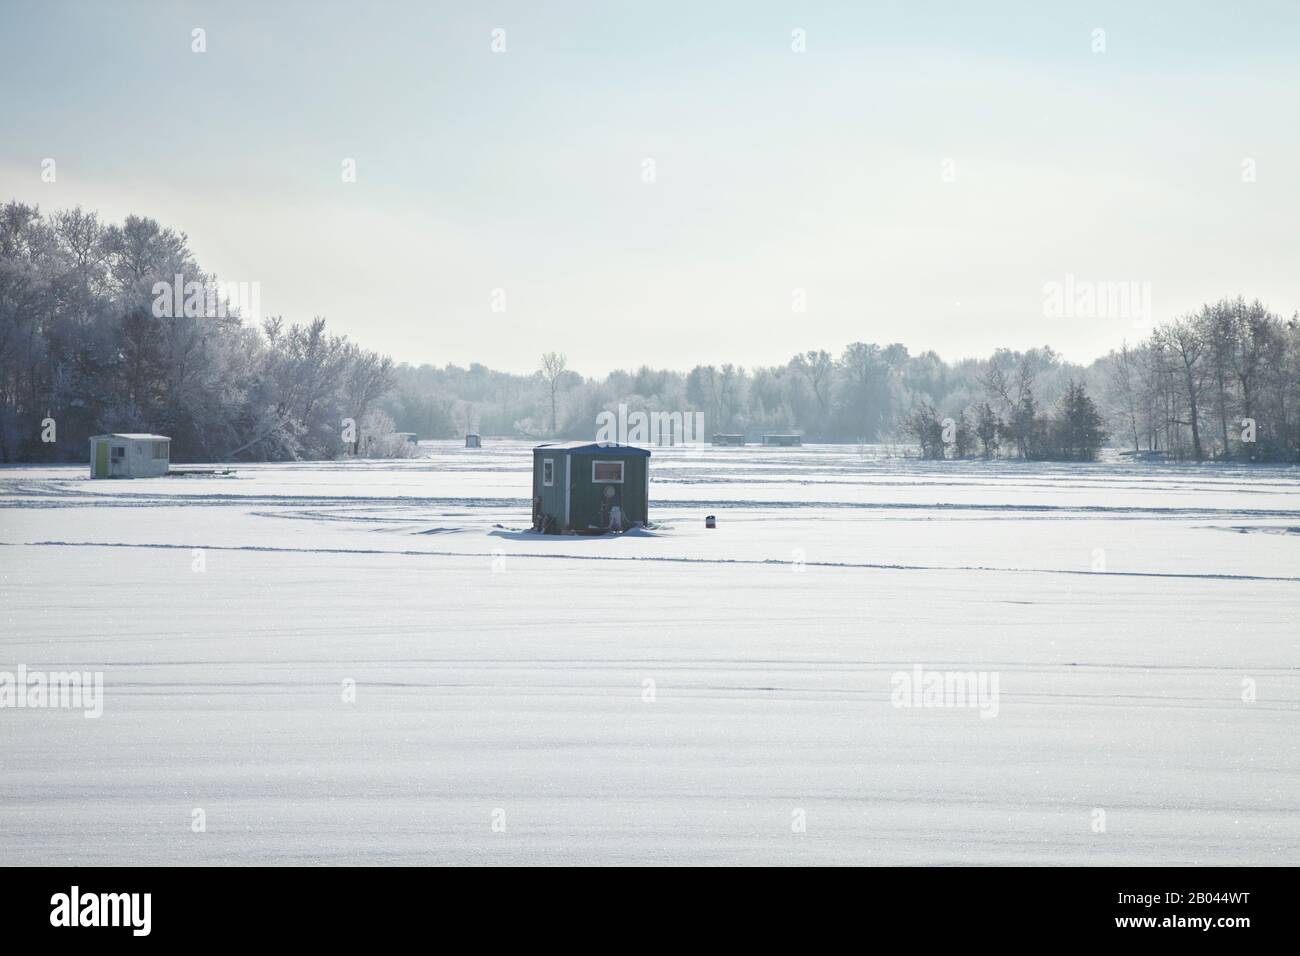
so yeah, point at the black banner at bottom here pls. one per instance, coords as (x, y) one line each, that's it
(337, 906)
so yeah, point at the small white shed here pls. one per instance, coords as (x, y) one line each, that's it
(129, 455)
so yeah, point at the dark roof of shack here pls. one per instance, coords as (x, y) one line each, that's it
(593, 448)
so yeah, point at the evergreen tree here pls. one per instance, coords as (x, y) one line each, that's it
(1077, 432)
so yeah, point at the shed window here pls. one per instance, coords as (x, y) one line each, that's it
(607, 472)
(548, 471)
(118, 452)
(159, 450)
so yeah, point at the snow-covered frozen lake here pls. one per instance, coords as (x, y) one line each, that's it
(682, 696)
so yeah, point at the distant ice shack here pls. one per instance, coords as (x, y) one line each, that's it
(129, 455)
(584, 486)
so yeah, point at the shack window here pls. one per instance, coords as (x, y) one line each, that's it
(118, 452)
(607, 472)
(548, 471)
(160, 450)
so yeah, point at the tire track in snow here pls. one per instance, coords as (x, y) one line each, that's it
(663, 559)
(523, 504)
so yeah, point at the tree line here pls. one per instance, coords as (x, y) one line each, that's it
(83, 351)
(1222, 383)
(82, 345)
(1073, 430)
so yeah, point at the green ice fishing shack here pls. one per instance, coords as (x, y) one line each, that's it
(586, 487)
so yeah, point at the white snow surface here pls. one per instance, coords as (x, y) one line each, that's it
(504, 678)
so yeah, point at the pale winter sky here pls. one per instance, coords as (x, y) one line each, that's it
(920, 171)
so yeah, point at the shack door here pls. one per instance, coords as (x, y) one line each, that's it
(101, 459)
